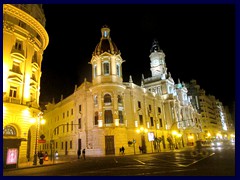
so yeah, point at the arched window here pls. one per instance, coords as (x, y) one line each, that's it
(9, 131)
(107, 98)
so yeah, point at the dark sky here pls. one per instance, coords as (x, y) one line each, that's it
(198, 41)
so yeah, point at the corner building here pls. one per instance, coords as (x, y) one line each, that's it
(103, 115)
(24, 41)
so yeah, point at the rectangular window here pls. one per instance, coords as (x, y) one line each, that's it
(106, 68)
(71, 111)
(70, 144)
(18, 45)
(80, 108)
(118, 70)
(62, 145)
(16, 67)
(96, 118)
(120, 116)
(56, 145)
(150, 108)
(159, 110)
(151, 120)
(63, 128)
(79, 123)
(13, 92)
(63, 115)
(140, 119)
(95, 70)
(108, 116)
(67, 127)
(67, 113)
(71, 125)
(139, 104)
(160, 120)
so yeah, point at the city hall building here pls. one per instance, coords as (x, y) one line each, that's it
(105, 114)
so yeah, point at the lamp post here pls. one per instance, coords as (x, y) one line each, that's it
(142, 130)
(38, 121)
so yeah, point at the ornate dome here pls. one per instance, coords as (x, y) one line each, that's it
(106, 44)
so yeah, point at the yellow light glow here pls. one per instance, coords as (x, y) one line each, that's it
(190, 137)
(5, 75)
(32, 120)
(145, 130)
(174, 133)
(27, 87)
(43, 121)
(179, 135)
(100, 123)
(232, 135)
(138, 131)
(116, 122)
(26, 112)
(208, 134)
(141, 128)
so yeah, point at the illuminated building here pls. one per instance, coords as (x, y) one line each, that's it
(103, 115)
(215, 118)
(24, 41)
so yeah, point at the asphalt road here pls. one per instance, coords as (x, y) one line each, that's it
(217, 162)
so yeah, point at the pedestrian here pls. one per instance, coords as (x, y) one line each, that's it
(120, 150)
(140, 149)
(83, 154)
(123, 149)
(79, 153)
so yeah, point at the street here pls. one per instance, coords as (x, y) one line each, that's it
(218, 162)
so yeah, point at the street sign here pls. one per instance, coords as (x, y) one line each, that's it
(41, 141)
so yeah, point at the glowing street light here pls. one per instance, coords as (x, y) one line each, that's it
(39, 120)
(142, 131)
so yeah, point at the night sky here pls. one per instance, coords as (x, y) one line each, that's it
(198, 41)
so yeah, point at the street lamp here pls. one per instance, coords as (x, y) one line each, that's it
(142, 130)
(39, 120)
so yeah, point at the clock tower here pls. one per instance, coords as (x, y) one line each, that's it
(157, 57)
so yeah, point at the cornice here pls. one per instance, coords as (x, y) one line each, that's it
(29, 20)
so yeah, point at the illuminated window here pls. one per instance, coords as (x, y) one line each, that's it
(106, 69)
(13, 92)
(9, 131)
(108, 117)
(118, 70)
(95, 70)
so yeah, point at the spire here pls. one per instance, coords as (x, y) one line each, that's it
(130, 79)
(155, 47)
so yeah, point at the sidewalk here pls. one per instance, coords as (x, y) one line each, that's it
(70, 158)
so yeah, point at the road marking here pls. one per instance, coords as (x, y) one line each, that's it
(139, 161)
(198, 160)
